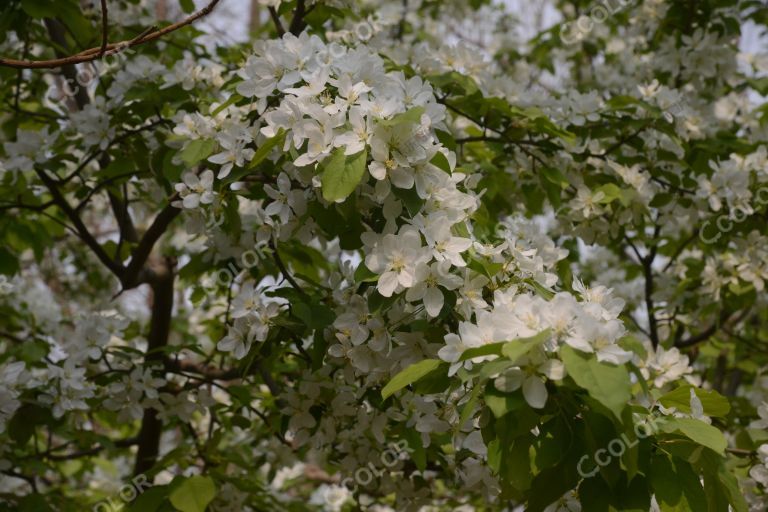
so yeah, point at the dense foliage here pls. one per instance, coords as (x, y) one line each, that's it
(383, 256)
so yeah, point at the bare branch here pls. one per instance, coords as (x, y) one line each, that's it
(82, 231)
(297, 23)
(276, 20)
(104, 28)
(283, 269)
(725, 318)
(133, 272)
(110, 48)
(162, 286)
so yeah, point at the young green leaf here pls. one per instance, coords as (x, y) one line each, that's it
(697, 431)
(714, 403)
(197, 151)
(608, 384)
(410, 375)
(342, 174)
(263, 151)
(194, 494)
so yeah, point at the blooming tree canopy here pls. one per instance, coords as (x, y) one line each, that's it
(383, 255)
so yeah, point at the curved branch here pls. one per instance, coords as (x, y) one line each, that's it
(109, 48)
(725, 318)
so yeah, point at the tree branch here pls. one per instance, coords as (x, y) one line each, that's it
(82, 231)
(110, 48)
(208, 372)
(712, 329)
(159, 328)
(276, 20)
(122, 443)
(297, 23)
(647, 265)
(283, 269)
(133, 272)
(104, 28)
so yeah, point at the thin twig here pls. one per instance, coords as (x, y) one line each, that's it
(276, 20)
(104, 28)
(712, 329)
(283, 269)
(82, 231)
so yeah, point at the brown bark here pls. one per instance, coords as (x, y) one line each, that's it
(159, 329)
(143, 268)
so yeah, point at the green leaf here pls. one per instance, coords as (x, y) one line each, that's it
(187, 5)
(435, 382)
(9, 263)
(341, 174)
(676, 485)
(149, 500)
(231, 100)
(730, 487)
(40, 8)
(314, 315)
(539, 289)
(632, 344)
(698, 431)
(469, 407)
(502, 403)
(549, 485)
(454, 82)
(364, 275)
(555, 176)
(410, 375)
(23, 423)
(516, 467)
(411, 116)
(714, 403)
(608, 384)
(486, 267)
(489, 369)
(495, 455)
(640, 377)
(417, 452)
(440, 161)
(197, 150)
(194, 494)
(377, 302)
(410, 198)
(611, 193)
(515, 349)
(595, 495)
(491, 349)
(263, 151)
